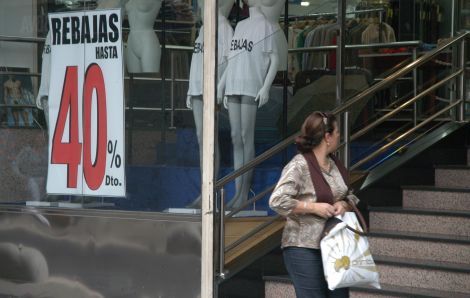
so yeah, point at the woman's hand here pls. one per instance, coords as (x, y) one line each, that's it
(340, 207)
(324, 210)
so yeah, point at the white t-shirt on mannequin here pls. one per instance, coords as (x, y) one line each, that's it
(248, 61)
(45, 72)
(225, 33)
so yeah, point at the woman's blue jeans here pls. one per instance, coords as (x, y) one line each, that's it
(305, 269)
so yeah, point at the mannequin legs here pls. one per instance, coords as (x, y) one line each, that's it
(242, 114)
(197, 105)
(132, 61)
(151, 57)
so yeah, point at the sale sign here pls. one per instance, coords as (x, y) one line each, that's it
(86, 104)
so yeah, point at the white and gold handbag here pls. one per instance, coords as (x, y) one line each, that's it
(347, 260)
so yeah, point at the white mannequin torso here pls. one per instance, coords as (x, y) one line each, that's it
(142, 13)
(143, 46)
(272, 10)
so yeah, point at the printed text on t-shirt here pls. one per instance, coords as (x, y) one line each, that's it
(198, 47)
(241, 44)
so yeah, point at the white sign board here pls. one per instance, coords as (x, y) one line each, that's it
(86, 104)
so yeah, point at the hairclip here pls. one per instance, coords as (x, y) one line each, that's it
(324, 118)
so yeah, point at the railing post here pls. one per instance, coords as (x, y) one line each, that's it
(222, 234)
(463, 91)
(345, 153)
(172, 90)
(415, 88)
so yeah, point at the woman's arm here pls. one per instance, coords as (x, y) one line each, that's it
(284, 199)
(324, 210)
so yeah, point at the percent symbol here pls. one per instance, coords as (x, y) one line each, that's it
(116, 159)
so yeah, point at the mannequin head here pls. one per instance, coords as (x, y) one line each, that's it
(272, 9)
(103, 4)
(253, 3)
(200, 12)
(225, 6)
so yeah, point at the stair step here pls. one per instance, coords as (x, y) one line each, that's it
(281, 286)
(420, 220)
(409, 272)
(421, 246)
(431, 197)
(468, 157)
(278, 286)
(452, 176)
(401, 291)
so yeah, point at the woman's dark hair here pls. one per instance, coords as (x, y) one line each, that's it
(315, 126)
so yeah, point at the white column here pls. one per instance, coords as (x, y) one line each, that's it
(209, 95)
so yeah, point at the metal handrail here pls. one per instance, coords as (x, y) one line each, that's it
(399, 138)
(361, 96)
(289, 140)
(397, 44)
(22, 39)
(364, 94)
(252, 232)
(321, 14)
(404, 105)
(251, 201)
(391, 78)
(402, 147)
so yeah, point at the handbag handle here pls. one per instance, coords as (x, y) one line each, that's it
(333, 221)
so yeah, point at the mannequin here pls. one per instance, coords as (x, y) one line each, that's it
(272, 10)
(13, 95)
(252, 66)
(194, 100)
(143, 47)
(104, 4)
(42, 99)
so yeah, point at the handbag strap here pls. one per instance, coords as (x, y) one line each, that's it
(356, 231)
(359, 216)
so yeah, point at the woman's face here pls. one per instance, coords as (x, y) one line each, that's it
(333, 138)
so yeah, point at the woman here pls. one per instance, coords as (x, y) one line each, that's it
(311, 190)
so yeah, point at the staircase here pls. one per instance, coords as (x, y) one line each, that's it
(421, 249)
